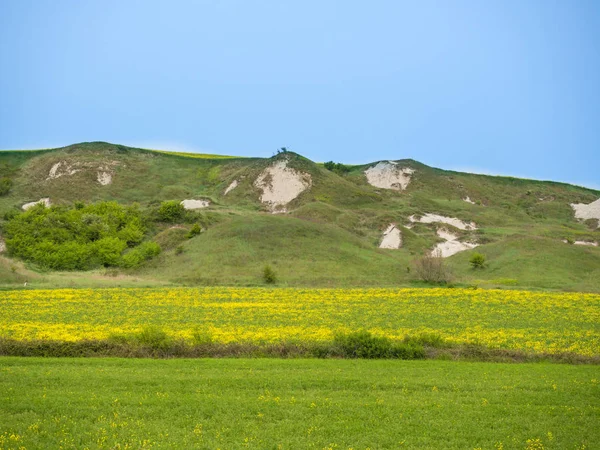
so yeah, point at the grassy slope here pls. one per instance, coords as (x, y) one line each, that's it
(337, 224)
(109, 403)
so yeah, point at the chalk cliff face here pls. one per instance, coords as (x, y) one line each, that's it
(389, 175)
(280, 185)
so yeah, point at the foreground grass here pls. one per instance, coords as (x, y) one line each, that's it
(543, 322)
(265, 403)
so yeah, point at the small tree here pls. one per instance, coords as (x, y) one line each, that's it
(431, 268)
(477, 261)
(269, 276)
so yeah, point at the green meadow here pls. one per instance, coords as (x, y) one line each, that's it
(290, 404)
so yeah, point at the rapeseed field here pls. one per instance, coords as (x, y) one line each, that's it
(532, 321)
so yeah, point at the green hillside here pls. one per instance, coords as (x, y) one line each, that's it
(328, 235)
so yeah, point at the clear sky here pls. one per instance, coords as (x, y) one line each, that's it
(503, 87)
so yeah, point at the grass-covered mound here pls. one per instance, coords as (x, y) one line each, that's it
(80, 237)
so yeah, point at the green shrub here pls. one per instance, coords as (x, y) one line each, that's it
(153, 337)
(5, 185)
(338, 168)
(407, 351)
(108, 250)
(170, 211)
(363, 344)
(132, 234)
(139, 255)
(269, 276)
(477, 261)
(194, 231)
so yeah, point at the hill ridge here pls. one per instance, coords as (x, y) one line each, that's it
(338, 219)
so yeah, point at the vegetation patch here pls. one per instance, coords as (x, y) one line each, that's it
(80, 237)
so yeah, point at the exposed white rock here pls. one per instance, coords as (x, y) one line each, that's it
(589, 211)
(104, 178)
(231, 187)
(45, 201)
(104, 172)
(434, 218)
(280, 185)
(392, 238)
(452, 246)
(2, 245)
(54, 171)
(589, 243)
(468, 200)
(63, 168)
(195, 204)
(389, 175)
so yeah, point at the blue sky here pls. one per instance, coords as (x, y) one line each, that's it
(502, 87)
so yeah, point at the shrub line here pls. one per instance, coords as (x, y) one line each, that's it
(335, 349)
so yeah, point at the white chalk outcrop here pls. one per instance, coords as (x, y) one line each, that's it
(389, 175)
(104, 178)
(104, 172)
(62, 168)
(452, 245)
(392, 238)
(589, 243)
(45, 201)
(195, 204)
(436, 218)
(280, 185)
(468, 200)
(231, 187)
(589, 211)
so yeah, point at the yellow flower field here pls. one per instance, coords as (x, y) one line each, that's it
(535, 321)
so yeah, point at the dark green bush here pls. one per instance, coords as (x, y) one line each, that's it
(338, 168)
(407, 351)
(170, 211)
(362, 344)
(269, 276)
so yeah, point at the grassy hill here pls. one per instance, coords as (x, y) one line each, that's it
(329, 234)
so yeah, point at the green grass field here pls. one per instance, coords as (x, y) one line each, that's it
(291, 404)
